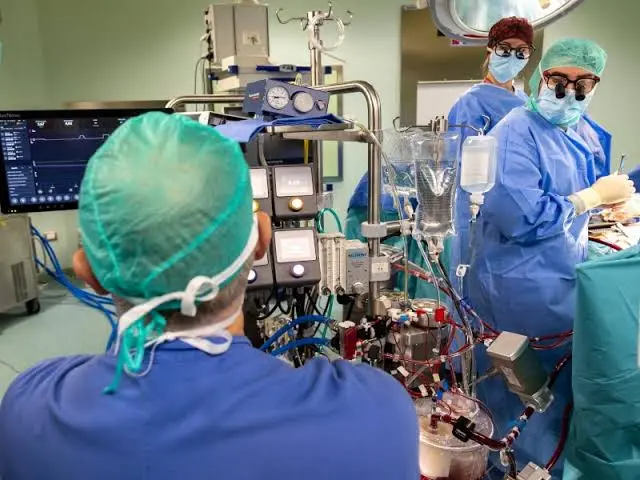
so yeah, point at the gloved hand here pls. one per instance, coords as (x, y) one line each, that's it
(607, 190)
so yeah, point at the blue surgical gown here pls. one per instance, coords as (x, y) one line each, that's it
(634, 175)
(599, 142)
(243, 415)
(524, 258)
(495, 103)
(481, 99)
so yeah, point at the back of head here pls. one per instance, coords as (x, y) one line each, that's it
(570, 52)
(165, 200)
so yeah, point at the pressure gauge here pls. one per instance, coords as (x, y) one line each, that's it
(303, 102)
(278, 98)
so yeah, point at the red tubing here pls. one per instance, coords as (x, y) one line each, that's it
(556, 371)
(563, 438)
(612, 246)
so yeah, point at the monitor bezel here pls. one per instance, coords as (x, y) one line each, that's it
(5, 204)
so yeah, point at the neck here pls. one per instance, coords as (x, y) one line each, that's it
(236, 328)
(207, 318)
(508, 85)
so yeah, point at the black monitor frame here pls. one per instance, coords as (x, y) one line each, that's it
(5, 204)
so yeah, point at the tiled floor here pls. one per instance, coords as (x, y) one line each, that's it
(63, 327)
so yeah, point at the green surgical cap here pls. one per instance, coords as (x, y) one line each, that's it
(570, 52)
(164, 200)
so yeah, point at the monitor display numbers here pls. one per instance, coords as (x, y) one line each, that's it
(293, 181)
(295, 246)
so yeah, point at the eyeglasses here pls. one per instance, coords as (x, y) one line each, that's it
(504, 50)
(582, 85)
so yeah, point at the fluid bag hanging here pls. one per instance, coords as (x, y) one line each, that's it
(478, 166)
(436, 163)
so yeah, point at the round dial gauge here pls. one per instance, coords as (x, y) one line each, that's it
(278, 98)
(303, 102)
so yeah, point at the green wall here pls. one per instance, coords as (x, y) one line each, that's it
(22, 76)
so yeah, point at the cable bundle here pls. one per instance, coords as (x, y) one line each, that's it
(92, 300)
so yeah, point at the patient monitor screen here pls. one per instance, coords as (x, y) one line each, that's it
(44, 155)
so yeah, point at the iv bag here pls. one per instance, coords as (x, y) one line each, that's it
(398, 171)
(478, 164)
(436, 164)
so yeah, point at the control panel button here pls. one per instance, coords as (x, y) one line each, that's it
(296, 204)
(297, 271)
(253, 276)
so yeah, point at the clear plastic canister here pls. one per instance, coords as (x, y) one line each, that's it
(443, 456)
(478, 164)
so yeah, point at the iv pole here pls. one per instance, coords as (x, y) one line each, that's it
(312, 23)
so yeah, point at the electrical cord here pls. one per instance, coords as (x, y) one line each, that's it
(289, 326)
(300, 343)
(195, 74)
(314, 305)
(95, 301)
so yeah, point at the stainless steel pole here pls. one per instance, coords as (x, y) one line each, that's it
(317, 79)
(374, 124)
(199, 99)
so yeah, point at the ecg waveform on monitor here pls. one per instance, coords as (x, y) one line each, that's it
(70, 139)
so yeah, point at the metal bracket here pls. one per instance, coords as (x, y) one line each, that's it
(373, 231)
(380, 270)
(326, 17)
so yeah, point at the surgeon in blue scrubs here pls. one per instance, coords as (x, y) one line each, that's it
(509, 48)
(483, 106)
(532, 230)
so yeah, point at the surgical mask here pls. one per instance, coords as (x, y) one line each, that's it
(135, 335)
(561, 111)
(504, 69)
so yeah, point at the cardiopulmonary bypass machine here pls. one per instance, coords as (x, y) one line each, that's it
(280, 115)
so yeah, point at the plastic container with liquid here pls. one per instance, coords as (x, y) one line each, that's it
(443, 456)
(436, 165)
(396, 146)
(478, 165)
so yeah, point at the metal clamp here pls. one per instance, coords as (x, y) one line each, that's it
(378, 230)
(479, 131)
